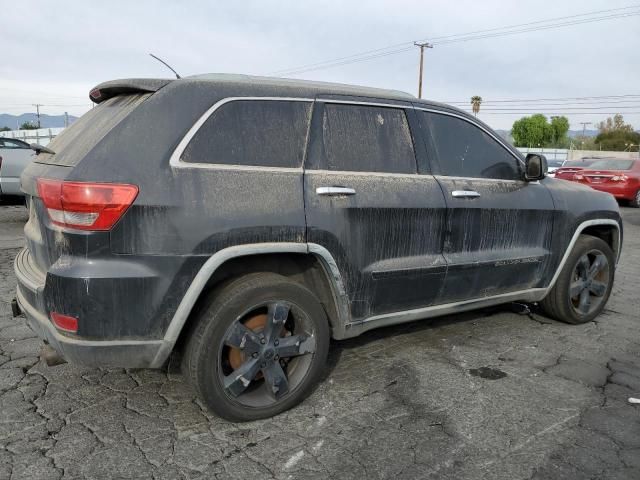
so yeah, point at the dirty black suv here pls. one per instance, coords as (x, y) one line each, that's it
(246, 221)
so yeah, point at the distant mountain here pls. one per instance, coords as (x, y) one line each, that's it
(506, 134)
(578, 133)
(46, 121)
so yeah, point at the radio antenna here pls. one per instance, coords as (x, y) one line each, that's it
(166, 65)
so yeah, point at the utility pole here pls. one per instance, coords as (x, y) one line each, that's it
(66, 119)
(422, 46)
(584, 126)
(38, 105)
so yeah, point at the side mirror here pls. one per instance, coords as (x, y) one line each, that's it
(535, 167)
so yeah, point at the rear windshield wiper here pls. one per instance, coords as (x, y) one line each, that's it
(40, 148)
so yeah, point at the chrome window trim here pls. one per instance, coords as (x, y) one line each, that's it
(367, 174)
(447, 177)
(176, 162)
(364, 103)
(475, 124)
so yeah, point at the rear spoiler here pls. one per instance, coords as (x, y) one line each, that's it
(109, 89)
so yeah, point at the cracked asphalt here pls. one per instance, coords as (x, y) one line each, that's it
(489, 394)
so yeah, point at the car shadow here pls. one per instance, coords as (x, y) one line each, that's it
(338, 347)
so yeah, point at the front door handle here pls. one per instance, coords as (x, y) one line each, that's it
(465, 194)
(335, 191)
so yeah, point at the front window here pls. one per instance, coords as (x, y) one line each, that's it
(464, 150)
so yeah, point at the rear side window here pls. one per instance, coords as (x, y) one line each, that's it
(464, 150)
(76, 141)
(269, 133)
(367, 139)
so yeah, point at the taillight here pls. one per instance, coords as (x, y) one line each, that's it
(85, 205)
(65, 323)
(619, 178)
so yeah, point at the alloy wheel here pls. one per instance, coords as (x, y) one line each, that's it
(590, 282)
(266, 353)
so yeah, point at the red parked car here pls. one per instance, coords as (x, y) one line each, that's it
(619, 177)
(570, 167)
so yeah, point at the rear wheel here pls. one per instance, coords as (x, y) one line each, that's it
(259, 348)
(635, 202)
(584, 285)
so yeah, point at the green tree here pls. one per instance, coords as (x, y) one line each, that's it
(476, 100)
(28, 126)
(560, 127)
(618, 140)
(5, 129)
(614, 124)
(536, 131)
(616, 135)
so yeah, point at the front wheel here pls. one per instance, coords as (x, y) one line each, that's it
(584, 285)
(258, 348)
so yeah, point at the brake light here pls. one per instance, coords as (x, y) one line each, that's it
(66, 323)
(85, 205)
(619, 178)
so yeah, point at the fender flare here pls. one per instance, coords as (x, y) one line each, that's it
(198, 284)
(588, 223)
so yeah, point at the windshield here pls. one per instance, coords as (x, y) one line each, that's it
(555, 163)
(612, 164)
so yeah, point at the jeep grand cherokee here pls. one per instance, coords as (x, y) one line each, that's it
(247, 221)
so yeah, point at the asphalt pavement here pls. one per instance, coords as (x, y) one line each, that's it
(490, 394)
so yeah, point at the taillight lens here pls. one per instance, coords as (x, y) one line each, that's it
(85, 205)
(65, 323)
(619, 178)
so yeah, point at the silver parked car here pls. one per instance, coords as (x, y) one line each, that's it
(15, 155)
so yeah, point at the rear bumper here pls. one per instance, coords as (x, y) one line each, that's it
(117, 353)
(622, 192)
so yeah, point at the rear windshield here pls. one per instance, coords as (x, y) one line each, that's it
(612, 164)
(77, 140)
(578, 163)
(555, 163)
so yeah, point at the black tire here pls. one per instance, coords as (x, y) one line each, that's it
(635, 202)
(576, 274)
(208, 358)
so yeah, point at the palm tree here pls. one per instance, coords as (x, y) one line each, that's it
(476, 100)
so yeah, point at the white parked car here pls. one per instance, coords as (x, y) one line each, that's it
(553, 165)
(15, 155)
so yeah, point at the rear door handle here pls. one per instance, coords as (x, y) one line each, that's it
(465, 194)
(335, 191)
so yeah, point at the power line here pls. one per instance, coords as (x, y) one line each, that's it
(530, 112)
(47, 104)
(633, 97)
(463, 37)
(607, 107)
